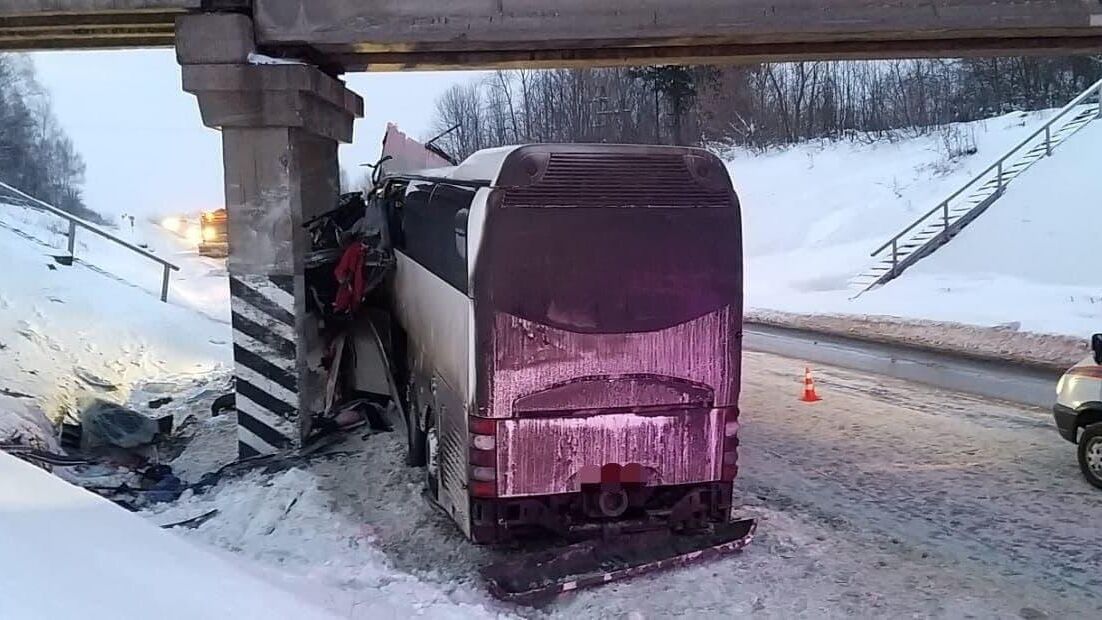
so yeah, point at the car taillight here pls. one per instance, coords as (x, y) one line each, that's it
(730, 446)
(483, 457)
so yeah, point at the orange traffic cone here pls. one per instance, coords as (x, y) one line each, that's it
(810, 395)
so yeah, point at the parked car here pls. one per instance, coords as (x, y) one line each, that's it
(1078, 411)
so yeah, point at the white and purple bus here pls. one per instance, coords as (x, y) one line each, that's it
(569, 323)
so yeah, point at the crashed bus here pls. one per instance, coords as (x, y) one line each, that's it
(566, 348)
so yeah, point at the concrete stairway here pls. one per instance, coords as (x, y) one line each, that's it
(939, 225)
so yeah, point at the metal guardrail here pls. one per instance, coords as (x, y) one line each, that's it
(1094, 89)
(77, 222)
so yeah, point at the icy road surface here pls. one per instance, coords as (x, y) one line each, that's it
(887, 499)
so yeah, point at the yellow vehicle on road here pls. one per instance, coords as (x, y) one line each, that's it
(215, 242)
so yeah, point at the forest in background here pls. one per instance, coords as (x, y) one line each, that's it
(36, 156)
(753, 106)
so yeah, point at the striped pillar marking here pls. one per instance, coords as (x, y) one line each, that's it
(265, 359)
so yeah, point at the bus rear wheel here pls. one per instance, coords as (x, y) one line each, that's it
(432, 462)
(415, 437)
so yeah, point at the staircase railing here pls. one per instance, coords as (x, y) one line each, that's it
(77, 222)
(1046, 129)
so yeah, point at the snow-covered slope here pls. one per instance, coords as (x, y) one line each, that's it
(813, 213)
(67, 553)
(97, 328)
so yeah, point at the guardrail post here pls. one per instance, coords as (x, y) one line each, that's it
(72, 239)
(945, 215)
(164, 284)
(895, 256)
(1000, 188)
(1048, 140)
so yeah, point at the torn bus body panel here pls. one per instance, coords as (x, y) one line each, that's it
(537, 578)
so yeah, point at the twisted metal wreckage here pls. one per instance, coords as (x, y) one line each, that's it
(559, 328)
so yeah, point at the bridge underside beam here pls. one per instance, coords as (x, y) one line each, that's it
(28, 25)
(38, 31)
(720, 53)
(437, 34)
(443, 34)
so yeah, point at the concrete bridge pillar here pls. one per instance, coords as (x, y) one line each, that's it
(281, 124)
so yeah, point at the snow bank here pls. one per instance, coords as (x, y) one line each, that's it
(814, 212)
(96, 329)
(64, 549)
(287, 523)
(1000, 343)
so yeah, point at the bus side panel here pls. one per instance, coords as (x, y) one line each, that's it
(436, 319)
(453, 455)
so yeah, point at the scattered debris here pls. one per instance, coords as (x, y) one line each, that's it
(13, 393)
(224, 403)
(42, 457)
(106, 423)
(94, 381)
(193, 522)
(159, 402)
(70, 436)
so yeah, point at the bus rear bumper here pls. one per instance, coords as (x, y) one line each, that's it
(577, 515)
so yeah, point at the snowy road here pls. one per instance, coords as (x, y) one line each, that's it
(887, 499)
(1003, 380)
(986, 487)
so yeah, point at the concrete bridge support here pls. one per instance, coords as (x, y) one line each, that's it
(281, 124)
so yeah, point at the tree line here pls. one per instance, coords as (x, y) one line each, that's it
(752, 106)
(36, 156)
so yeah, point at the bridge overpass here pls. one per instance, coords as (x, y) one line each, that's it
(349, 35)
(281, 123)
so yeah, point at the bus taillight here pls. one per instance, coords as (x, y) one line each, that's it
(483, 457)
(730, 448)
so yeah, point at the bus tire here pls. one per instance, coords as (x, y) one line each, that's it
(431, 450)
(415, 437)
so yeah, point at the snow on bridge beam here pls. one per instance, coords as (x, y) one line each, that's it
(435, 34)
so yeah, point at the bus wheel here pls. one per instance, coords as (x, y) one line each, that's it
(415, 437)
(432, 461)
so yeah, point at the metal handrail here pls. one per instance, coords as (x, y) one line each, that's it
(75, 222)
(1045, 129)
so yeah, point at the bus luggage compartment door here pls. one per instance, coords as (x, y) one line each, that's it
(547, 456)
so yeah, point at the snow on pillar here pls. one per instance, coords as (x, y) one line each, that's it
(281, 124)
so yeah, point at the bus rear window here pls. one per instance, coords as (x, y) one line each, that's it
(611, 269)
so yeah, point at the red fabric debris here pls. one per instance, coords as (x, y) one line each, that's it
(350, 279)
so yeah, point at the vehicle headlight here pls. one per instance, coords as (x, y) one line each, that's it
(194, 234)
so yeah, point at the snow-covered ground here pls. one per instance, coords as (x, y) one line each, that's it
(67, 553)
(814, 212)
(887, 499)
(884, 500)
(98, 327)
(280, 547)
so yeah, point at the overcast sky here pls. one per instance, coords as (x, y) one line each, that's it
(146, 149)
